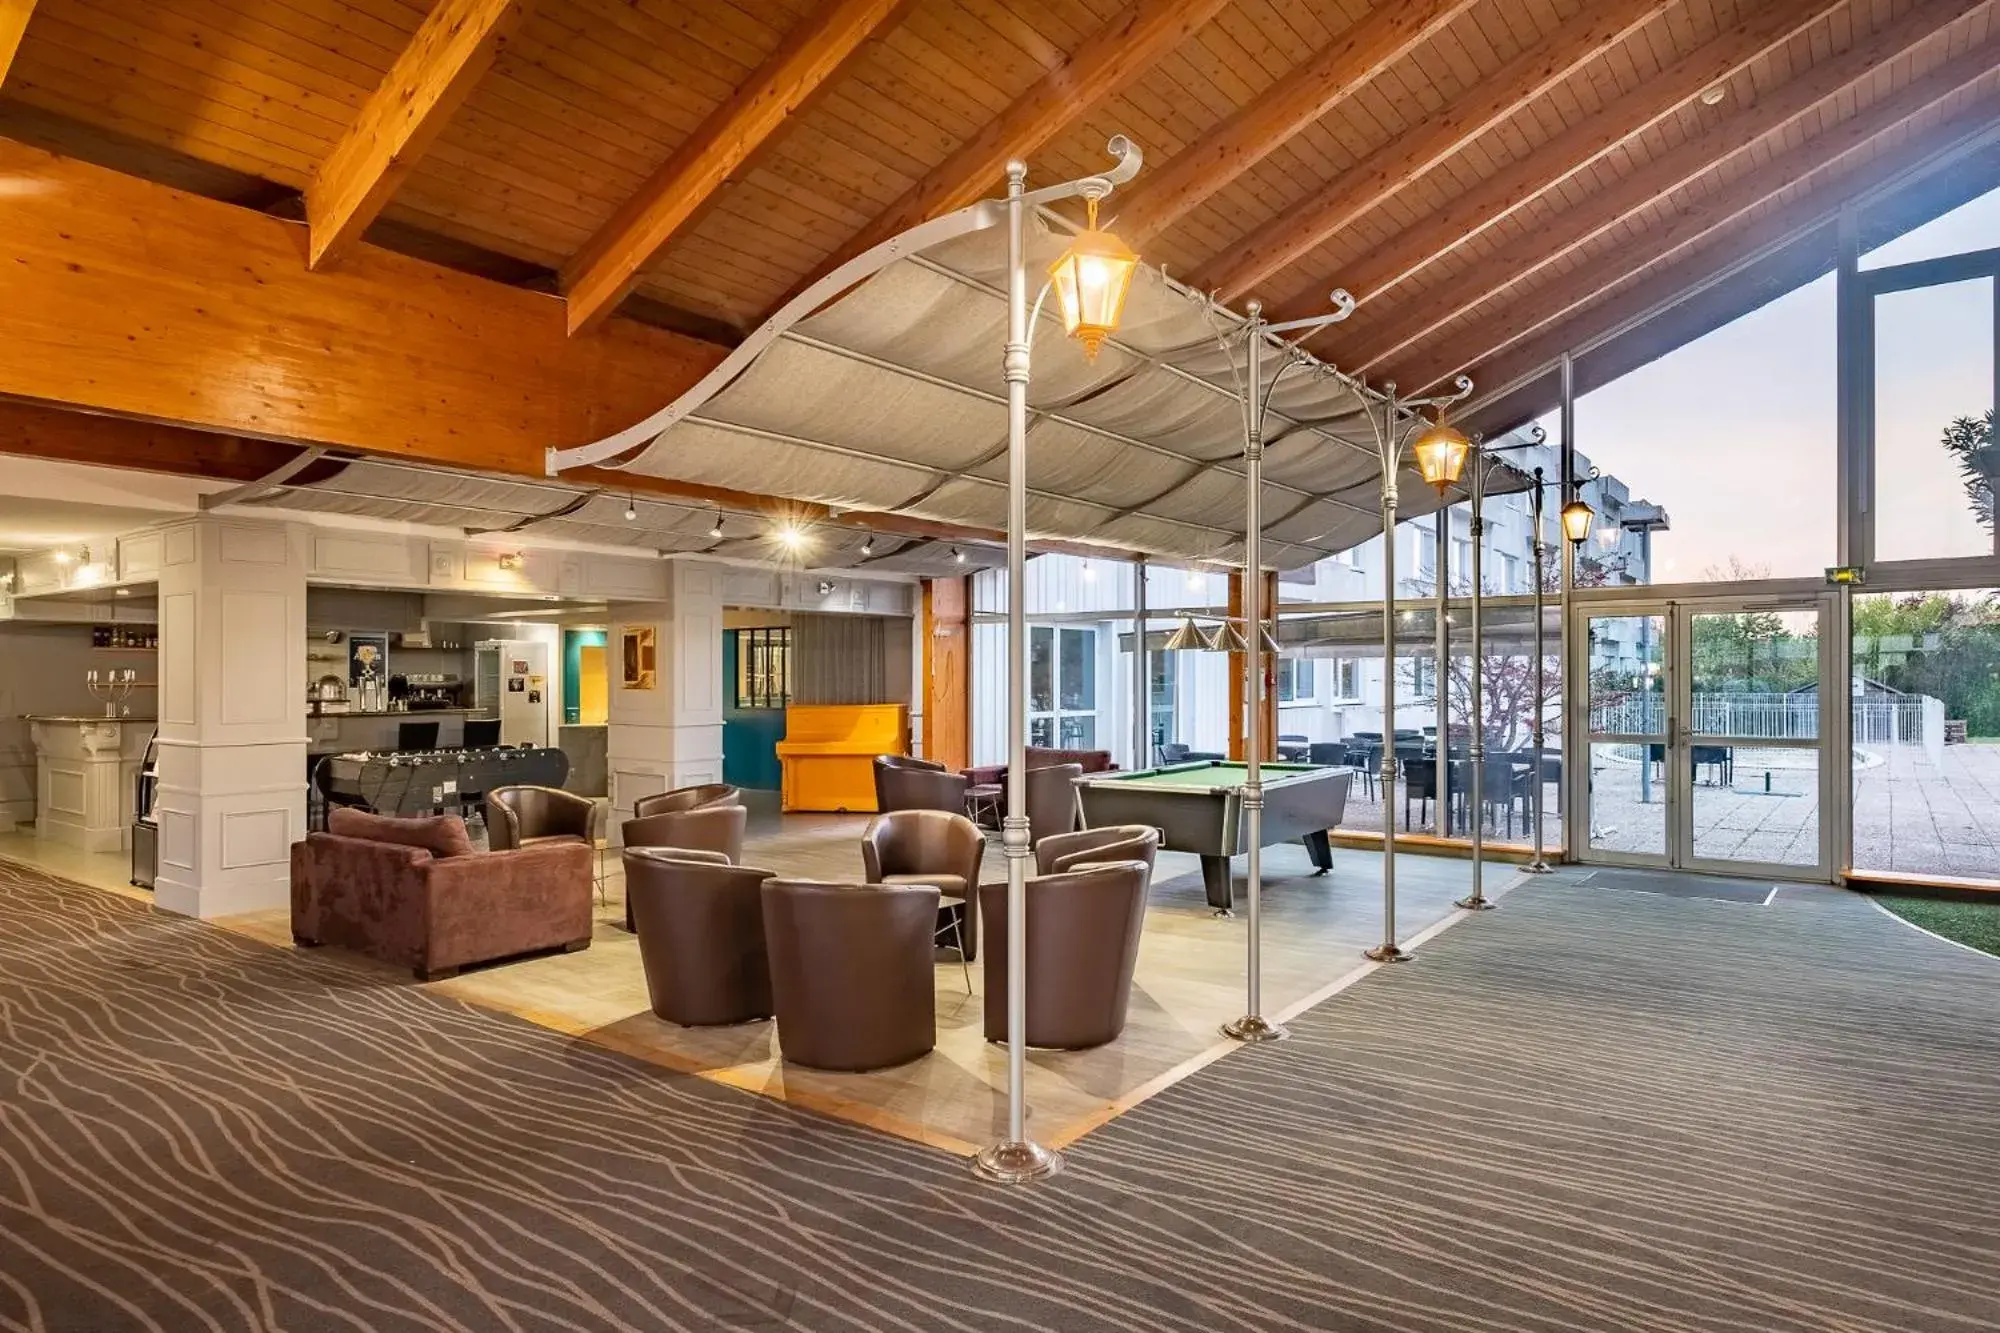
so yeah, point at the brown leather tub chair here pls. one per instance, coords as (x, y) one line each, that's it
(904, 783)
(1113, 842)
(1052, 800)
(415, 892)
(704, 828)
(701, 935)
(687, 798)
(1083, 942)
(851, 972)
(524, 816)
(935, 848)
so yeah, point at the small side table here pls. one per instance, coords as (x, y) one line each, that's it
(983, 803)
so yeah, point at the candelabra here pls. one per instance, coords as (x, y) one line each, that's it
(111, 688)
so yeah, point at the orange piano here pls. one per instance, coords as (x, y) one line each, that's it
(829, 750)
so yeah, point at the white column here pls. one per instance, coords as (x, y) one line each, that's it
(232, 796)
(671, 734)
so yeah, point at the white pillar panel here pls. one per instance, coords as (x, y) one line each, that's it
(668, 735)
(232, 796)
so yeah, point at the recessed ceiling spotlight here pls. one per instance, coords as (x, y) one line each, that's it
(790, 536)
(1713, 96)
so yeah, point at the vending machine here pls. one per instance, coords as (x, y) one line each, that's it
(512, 682)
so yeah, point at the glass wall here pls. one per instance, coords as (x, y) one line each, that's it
(1926, 726)
(1933, 410)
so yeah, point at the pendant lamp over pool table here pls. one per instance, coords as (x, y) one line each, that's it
(1187, 637)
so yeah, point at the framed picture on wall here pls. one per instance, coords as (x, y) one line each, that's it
(638, 656)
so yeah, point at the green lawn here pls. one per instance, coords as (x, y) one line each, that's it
(1973, 923)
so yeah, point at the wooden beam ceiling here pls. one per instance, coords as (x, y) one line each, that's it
(1583, 285)
(1933, 174)
(1296, 232)
(1570, 231)
(1309, 91)
(601, 274)
(449, 53)
(13, 26)
(1107, 60)
(1555, 161)
(205, 317)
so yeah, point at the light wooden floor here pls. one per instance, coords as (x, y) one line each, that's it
(1190, 979)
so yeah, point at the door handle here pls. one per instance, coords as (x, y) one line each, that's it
(1673, 731)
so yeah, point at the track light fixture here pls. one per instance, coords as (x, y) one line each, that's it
(716, 530)
(631, 509)
(957, 556)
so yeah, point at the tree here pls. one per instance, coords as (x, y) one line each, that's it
(1963, 440)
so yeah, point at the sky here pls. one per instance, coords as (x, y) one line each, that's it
(1734, 433)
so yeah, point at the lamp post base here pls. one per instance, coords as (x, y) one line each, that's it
(1480, 904)
(1254, 1028)
(1387, 953)
(1016, 1163)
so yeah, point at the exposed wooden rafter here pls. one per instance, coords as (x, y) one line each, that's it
(1297, 231)
(204, 317)
(1931, 174)
(1555, 161)
(1568, 232)
(454, 46)
(1309, 91)
(1696, 219)
(1103, 63)
(601, 274)
(13, 26)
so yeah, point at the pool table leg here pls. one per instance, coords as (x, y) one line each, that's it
(1215, 877)
(1320, 850)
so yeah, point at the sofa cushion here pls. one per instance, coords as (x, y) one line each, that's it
(440, 835)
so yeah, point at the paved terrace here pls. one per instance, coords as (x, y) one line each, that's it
(1910, 816)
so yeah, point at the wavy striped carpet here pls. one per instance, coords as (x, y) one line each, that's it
(1593, 1111)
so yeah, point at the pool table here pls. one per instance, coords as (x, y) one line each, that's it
(1198, 807)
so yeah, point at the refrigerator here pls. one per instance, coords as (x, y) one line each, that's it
(512, 682)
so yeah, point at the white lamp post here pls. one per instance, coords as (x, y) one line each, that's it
(1253, 1026)
(1090, 282)
(1392, 435)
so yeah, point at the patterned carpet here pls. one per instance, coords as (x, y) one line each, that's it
(1591, 1111)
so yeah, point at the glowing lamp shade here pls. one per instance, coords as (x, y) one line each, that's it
(1576, 518)
(1440, 452)
(1091, 281)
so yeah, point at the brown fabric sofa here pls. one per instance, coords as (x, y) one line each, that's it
(701, 935)
(1091, 761)
(852, 976)
(935, 848)
(1083, 944)
(422, 898)
(906, 783)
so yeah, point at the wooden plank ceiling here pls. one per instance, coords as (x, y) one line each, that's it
(1484, 175)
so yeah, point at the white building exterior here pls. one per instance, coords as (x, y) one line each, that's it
(1080, 665)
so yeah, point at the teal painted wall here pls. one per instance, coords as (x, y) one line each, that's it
(750, 736)
(574, 642)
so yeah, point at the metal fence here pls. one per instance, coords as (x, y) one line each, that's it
(1878, 719)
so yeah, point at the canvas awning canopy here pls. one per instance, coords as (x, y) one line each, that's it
(487, 505)
(891, 399)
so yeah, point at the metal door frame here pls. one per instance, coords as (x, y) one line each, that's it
(1677, 615)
